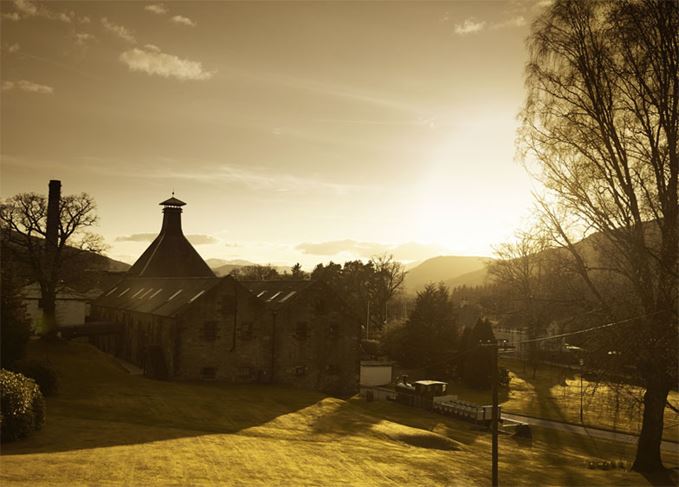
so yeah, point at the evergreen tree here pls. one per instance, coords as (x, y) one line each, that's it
(478, 360)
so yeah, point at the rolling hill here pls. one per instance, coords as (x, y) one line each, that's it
(453, 270)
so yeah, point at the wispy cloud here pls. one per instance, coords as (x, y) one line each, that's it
(27, 86)
(119, 30)
(473, 26)
(410, 251)
(151, 60)
(518, 21)
(82, 38)
(195, 239)
(13, 16)
(469, 26)
(28, 8)
(261, 179)
(156, 8)
(12, 48)
(325, 88)
(180, 19)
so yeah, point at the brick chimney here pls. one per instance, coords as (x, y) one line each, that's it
(53, 202)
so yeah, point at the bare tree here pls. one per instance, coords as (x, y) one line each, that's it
(600, 128)
(386, 282)
(24, 230)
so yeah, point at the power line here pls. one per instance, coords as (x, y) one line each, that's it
(587, 330)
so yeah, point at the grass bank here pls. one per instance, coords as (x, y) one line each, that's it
(106, 427)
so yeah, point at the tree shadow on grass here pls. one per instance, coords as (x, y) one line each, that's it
(410, 425)
(100, 405)
(669, 478)
(125, 423)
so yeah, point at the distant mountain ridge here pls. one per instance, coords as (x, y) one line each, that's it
(452, 270)
(223, 267)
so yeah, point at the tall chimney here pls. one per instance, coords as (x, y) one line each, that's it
(53, 201)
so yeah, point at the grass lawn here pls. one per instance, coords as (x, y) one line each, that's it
(107, 427)
(554, 393)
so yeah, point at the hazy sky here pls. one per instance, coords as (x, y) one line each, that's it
(295, 131)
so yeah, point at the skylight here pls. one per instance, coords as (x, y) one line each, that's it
(123, 293)
(155, 294)
(260, 294)
(288, 296)
(146, 293)
(197, 296)
(137, 293)
(111, 291)
(174, 295)
(274, 296)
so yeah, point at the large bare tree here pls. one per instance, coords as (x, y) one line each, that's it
(50, 257)
(600, 128)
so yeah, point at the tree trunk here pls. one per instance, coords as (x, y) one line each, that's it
(49, 310)
(648, 457)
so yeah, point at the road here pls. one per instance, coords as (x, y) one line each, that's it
(670, 446)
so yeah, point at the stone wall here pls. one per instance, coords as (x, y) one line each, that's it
(225, 335)
(317, 344)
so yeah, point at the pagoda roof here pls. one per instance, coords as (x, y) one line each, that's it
(172, 202)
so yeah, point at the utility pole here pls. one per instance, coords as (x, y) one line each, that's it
(582, 363)
(495, 409)
(495, 417)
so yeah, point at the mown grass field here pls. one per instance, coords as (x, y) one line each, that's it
(107, 427)
(554, 394)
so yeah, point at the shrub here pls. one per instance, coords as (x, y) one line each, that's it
(41, 373)
(23, 406)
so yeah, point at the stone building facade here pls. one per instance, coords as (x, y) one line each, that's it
(177, 320)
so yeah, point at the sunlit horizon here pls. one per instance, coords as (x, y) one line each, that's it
(290, 146)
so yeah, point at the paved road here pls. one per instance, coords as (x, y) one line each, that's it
(582, 430)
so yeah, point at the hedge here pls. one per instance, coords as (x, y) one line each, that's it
(22, 405)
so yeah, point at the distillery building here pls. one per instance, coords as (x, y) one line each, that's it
(177, 320)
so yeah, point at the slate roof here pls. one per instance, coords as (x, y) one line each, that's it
(171, 254)
(158, 296)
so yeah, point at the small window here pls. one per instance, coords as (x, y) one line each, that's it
(210, 331)
(245, 330)
(300, 370)
(208, 373)
(245, 372)
(301, 330)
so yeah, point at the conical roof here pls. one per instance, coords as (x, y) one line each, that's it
(171, 254)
